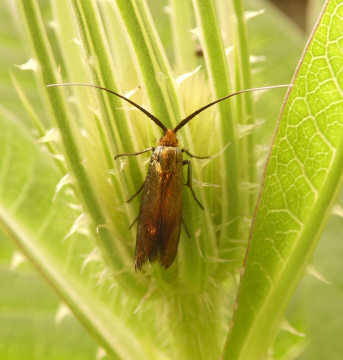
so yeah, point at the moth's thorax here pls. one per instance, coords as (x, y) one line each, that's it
(168, 158)
(169, 139)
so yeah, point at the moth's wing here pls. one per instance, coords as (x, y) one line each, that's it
(160, 214)
(149, 218)
(171, 215)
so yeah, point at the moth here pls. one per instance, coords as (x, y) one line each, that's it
(160, 213)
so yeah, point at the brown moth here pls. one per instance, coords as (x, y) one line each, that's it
(160, 213)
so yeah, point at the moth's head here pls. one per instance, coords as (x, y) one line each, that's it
(169, 139)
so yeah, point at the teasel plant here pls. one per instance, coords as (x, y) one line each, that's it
(269, 188)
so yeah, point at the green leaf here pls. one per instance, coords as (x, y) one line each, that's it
(28, 319)
(29, 217)
(300, 185)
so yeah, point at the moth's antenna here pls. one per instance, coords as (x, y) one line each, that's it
(191, 116)
(152, 117)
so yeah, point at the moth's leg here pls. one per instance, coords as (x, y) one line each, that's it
(139, 190)
(184, 225)
(193, 156)
(189, 180)
(133, 223)
(136, 153)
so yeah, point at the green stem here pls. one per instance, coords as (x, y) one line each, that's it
(150, 61)
(182, 21)
(53, 150)
(116, 122)
(197, 324)
(218, 73)
(246, 114)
